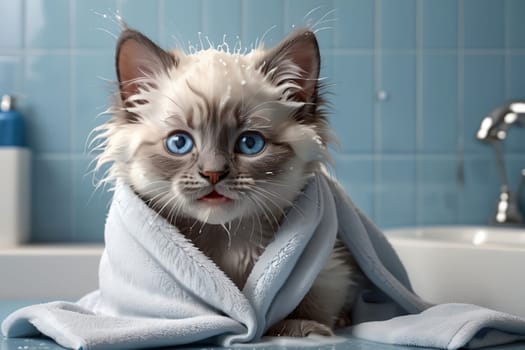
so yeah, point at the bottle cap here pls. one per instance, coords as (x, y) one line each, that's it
(7, 103)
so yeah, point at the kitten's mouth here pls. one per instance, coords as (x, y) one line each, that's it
(214, 197)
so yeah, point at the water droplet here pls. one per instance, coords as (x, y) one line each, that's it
(269, 173)
(243, 82)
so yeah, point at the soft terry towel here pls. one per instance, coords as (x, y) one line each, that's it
(157, 289)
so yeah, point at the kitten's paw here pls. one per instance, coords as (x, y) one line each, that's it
(298, 328)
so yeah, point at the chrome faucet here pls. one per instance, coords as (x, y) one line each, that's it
(493, 130)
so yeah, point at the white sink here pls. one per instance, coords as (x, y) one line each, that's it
(478, 265)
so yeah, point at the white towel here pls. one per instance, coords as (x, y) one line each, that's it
(157, 289)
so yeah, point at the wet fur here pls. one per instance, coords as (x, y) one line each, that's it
(215, 95)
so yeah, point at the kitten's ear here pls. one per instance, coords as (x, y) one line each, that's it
(138, 57)
(301, 49)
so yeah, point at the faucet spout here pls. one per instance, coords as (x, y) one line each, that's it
(495, 125)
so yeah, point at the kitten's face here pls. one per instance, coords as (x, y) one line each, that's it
(216, 136)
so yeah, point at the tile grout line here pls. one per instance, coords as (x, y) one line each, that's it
(243, 22)
(241, 11)
(22, 86)
(72, 114)
(204, 16)
(22, 52)
(23, 12)
(286, 15)
(506, 57)
(419, 106)
(460, 107)
(377, 111)
(161, 26)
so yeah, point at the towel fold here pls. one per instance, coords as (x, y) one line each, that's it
(446, 326)
(157, 289)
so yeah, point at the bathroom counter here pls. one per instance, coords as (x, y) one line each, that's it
(7, 307)
(54, 269)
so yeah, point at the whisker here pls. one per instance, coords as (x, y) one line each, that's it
(276, 195)
(262, 194)
(264, 209)
(322, 19)
(260, 224)
(309, 13)
(229, 236)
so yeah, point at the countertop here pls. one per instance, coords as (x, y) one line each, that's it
(46, 344)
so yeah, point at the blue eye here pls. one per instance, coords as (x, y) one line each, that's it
(250, 143)
(179, 143)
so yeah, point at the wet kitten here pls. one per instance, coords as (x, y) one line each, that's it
(220, 144)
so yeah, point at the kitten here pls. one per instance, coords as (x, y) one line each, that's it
(220, 144)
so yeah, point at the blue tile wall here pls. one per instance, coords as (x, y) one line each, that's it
(12, 23)
(180, 23)
(515, 26)
(398, 111)
(484, 24)
(409, 82)
(222, 20)
(353, 101)
(484, 88)
(93, 25)
(439, 24)
(319, 14)
(268, 23)
(397, 23)
(439, 103)
(40, 32)
(47, 94)
(144, 18)
(358, 29)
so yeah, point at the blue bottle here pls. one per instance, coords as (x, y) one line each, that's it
(12, 129)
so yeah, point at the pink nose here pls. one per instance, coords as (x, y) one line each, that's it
(214, 176)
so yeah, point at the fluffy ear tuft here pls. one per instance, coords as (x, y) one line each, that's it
(301, 49)
(136, 58)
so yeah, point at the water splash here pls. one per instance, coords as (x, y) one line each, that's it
(192, 49)
(238, 46)
(200, 40)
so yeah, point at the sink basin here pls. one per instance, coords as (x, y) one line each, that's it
(478, 265)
